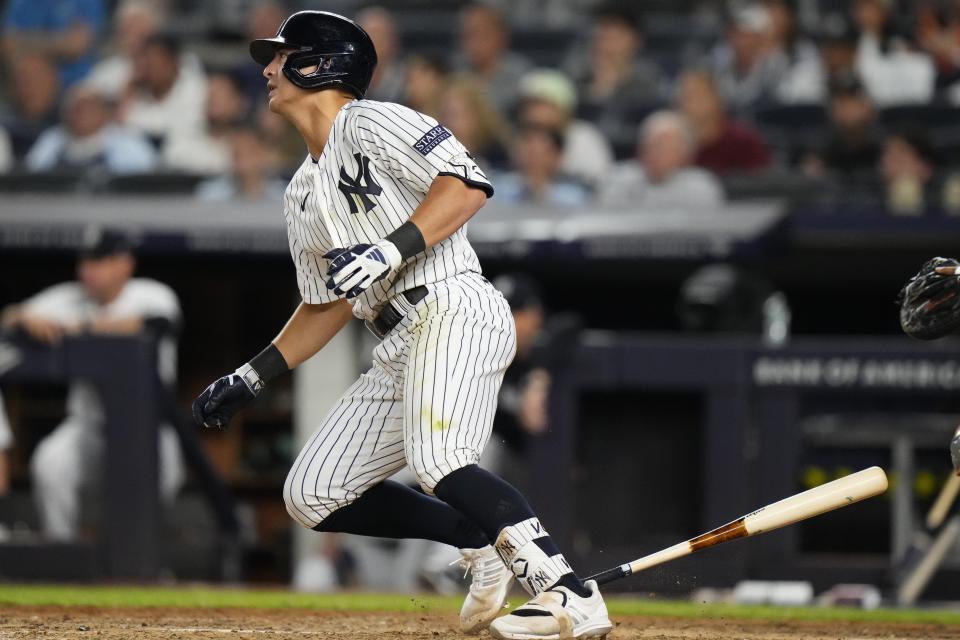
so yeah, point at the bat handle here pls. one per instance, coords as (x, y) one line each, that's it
(611, 574)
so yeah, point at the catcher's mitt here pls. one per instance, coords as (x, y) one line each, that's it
(930, 302)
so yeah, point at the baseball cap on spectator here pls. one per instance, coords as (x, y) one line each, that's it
(520, 290)
(753, 18)
(838, 32)
(101, 243)
(846, 83)
(550, 86)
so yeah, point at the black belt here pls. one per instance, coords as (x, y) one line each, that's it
(389, 317)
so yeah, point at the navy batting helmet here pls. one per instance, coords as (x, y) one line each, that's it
(340, 49)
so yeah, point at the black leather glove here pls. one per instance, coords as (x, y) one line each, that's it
(930, 301)
(225, 397)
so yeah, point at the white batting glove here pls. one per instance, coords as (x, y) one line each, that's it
(354, 269)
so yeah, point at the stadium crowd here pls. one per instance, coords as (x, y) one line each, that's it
(651, 104)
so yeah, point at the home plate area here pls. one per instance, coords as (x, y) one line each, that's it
(188, 624)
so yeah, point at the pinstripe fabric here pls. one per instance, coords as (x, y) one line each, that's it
(373, 147)
(427, 402)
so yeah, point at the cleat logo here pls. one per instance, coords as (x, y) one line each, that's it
(506, 550)
(539, 581)
(520, 568)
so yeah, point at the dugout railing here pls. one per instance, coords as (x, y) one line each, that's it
(127, 543)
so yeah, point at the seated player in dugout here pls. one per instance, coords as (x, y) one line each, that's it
(104, 299)
(522, 405)
(376, 219)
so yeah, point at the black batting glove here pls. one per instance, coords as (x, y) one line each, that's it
(225, 397)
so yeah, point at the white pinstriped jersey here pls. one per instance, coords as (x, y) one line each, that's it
(376, 168)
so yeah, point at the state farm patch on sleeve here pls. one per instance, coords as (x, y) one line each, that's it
(431, 139)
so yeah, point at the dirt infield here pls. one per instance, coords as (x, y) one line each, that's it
(185, 624)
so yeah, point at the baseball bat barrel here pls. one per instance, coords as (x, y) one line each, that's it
(813, 502)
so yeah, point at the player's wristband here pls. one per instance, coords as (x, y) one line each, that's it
(407, 239)
(269, 363)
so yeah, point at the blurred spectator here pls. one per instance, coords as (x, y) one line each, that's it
(614, 83)
(892, 71)
(135, 22)
(252, 172)
(801, 74)
(263, 21)
(466, 110)
(285, 142)
(938, 33)
(548, 99)
(537, 180)
(723, 145)
(521, 412)
(744, 63)
(89, 139)
(65, 31)
(165, 96)
(207, 151)
(852, 147)
(907, 169)
(838, 50)
(484, 42)
(426, 76)
(36, 92)
(390, 73)
(105, 299)
(662, 176)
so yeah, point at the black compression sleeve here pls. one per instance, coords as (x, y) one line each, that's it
(269, 363)
(407, 239)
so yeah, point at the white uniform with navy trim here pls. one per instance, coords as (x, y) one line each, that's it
(378, 164)
(69, 459)
(429, 398)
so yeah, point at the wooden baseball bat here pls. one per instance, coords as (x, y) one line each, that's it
(827, 497)
(941, 506)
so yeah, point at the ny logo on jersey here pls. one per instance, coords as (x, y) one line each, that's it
(357, 190)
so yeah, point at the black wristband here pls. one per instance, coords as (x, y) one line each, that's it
(407, 239)
(269, 363)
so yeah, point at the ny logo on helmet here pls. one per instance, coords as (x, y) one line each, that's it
(358, 189)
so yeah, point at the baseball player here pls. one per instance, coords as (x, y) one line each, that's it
(376, 219)
(929, 309)
(105, 299)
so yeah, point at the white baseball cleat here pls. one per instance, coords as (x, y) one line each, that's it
(556, 614)
(488, 590)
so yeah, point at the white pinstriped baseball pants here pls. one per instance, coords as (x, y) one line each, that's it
(427, 402)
